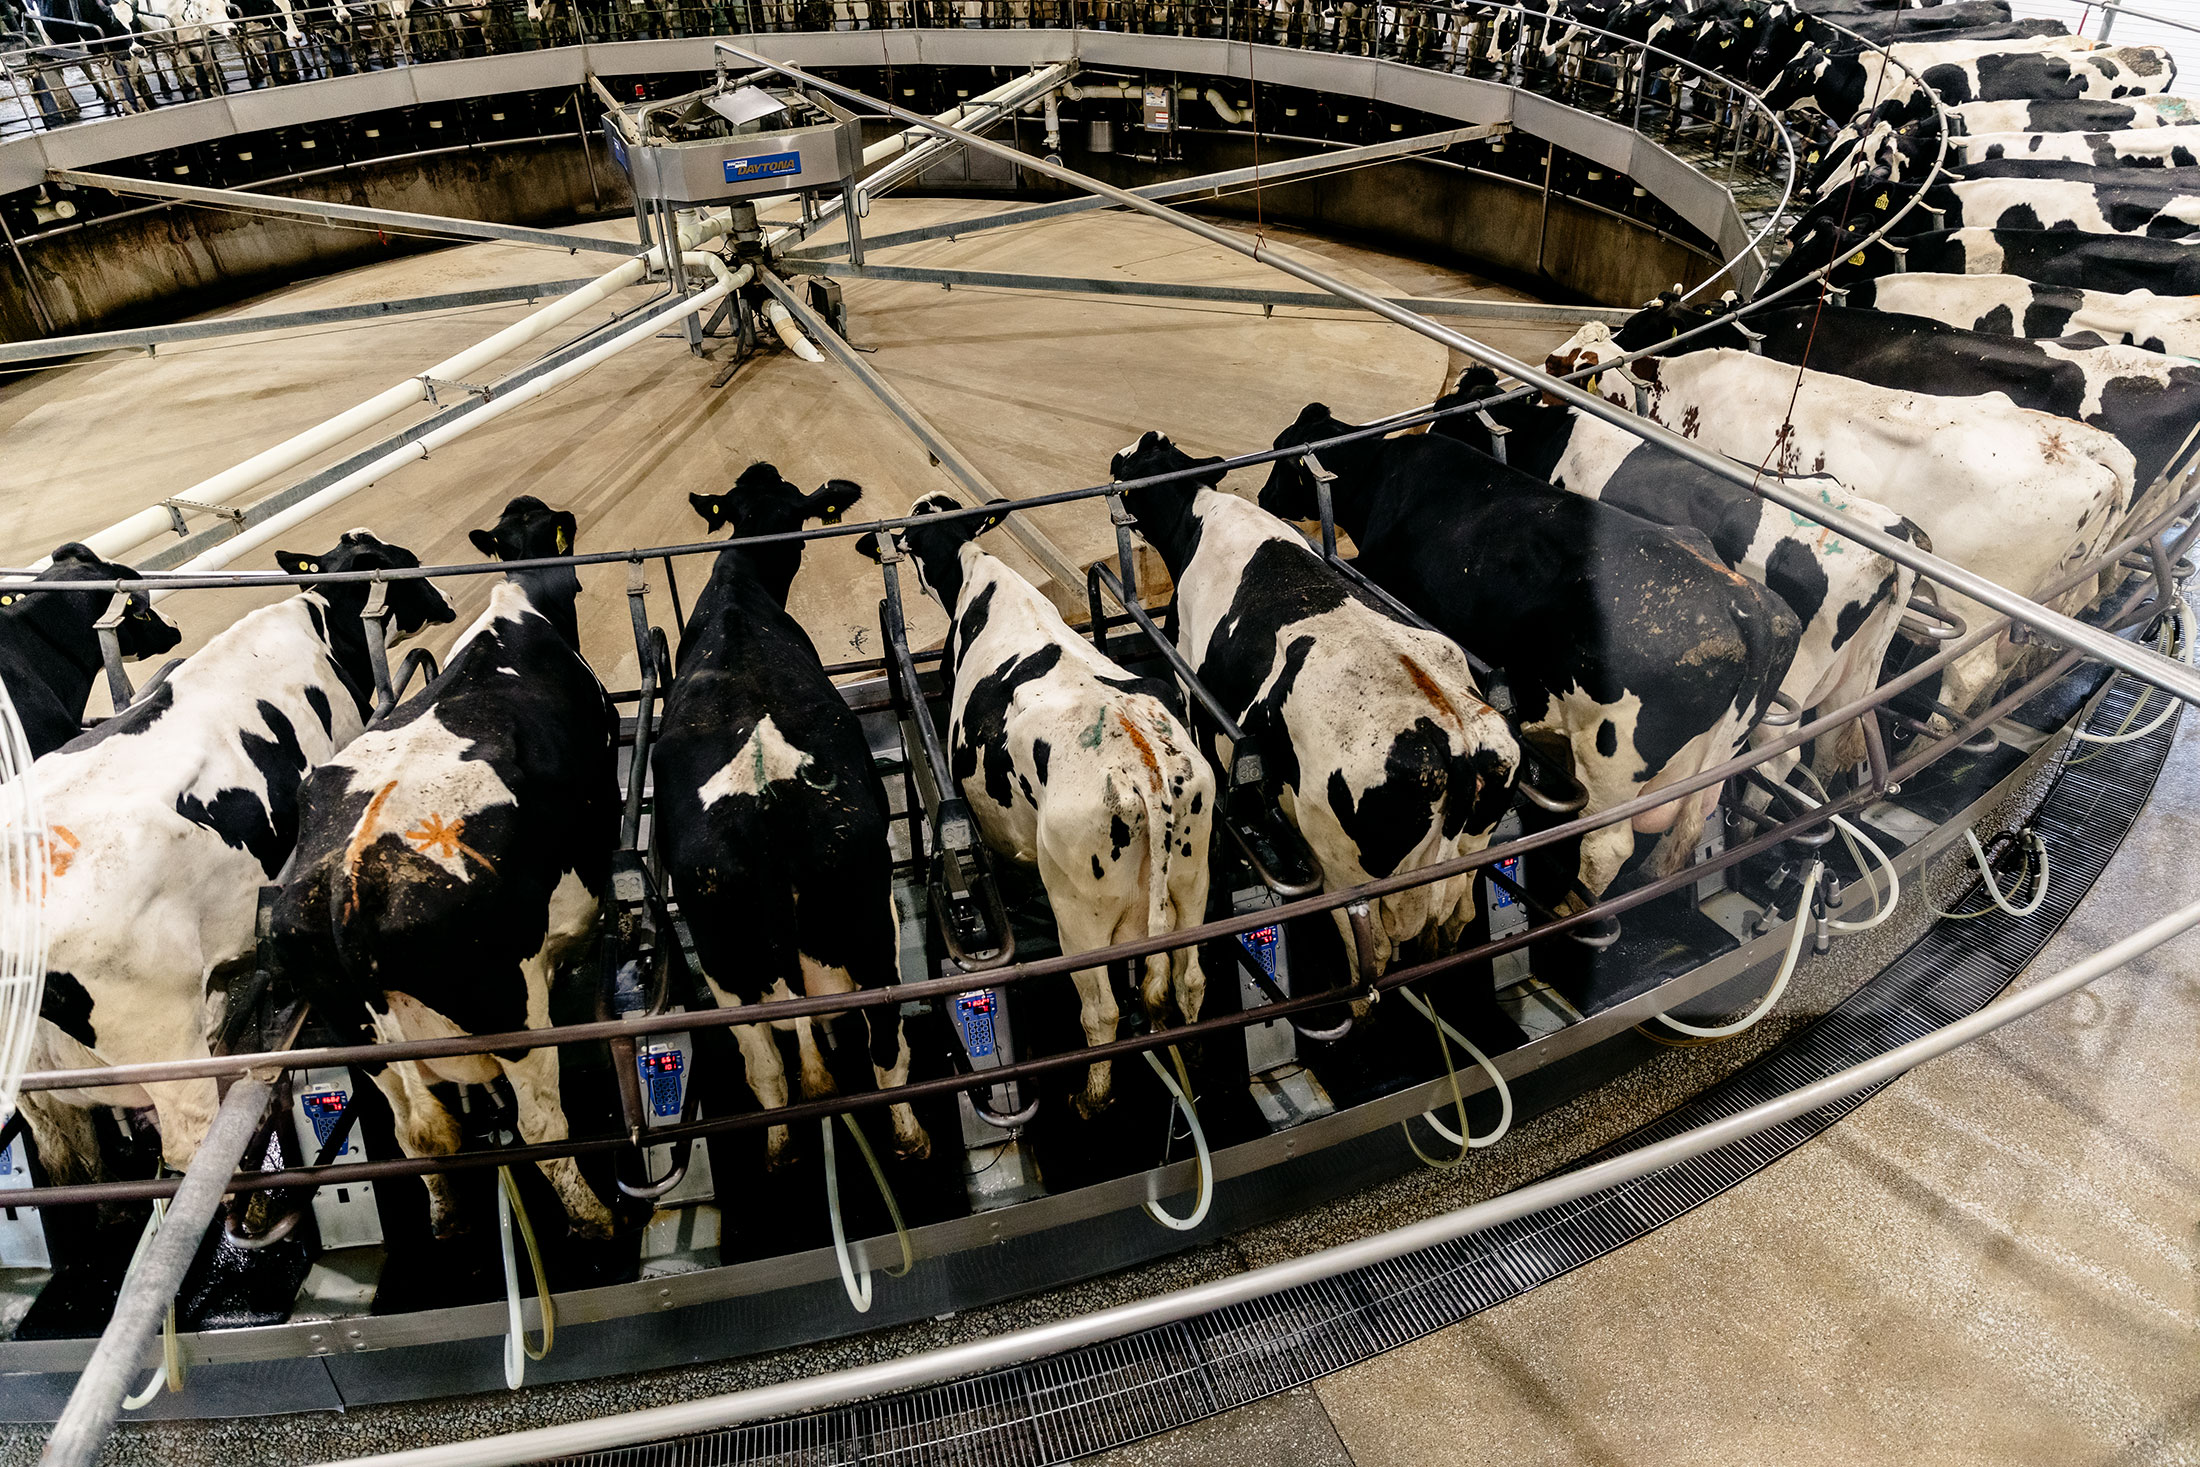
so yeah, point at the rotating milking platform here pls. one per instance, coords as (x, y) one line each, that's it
(1296, 1109)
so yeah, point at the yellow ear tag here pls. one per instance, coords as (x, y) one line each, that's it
(561, 542)
(1880, 202)
(1857, 258)
(1813, 156)
(7, 600)
(1748, 24)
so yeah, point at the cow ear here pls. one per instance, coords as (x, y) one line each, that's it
(567, 532)
(485, 542)
(867, 546)
(1313, 412)
(711, 507)
(990, 521)
(294, 564)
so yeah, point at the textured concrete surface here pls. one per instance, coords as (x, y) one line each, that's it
(1039, 391)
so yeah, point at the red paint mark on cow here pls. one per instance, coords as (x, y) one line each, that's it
(1430, 690)
(1145, 748)
(362, 836)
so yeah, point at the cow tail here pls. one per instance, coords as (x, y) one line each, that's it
(1161, 839)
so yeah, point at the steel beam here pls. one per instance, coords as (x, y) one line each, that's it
(1531, 312)
(147, 1289)
(945, 454)
(1208, 185)
(394, 219)
(148, 337)
(2141, 662)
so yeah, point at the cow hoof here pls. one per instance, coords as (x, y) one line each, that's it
(919, 1149)
(1089, 1109)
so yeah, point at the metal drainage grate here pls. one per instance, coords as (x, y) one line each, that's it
(1110, 1394)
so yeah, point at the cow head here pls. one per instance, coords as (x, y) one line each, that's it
(1164, 511)
(936, 549)
(414, 602)
(1668, 317)
(1797, 82)
(1290, 492)
(531, 530)
(762, 503)
(66, 620)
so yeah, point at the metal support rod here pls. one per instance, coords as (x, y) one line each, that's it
(2171, 676)
(90, 1414)
(945, 454)
(30, 282)
(1208, 184)
(1485, 310)
(151, 336)
(390, 219)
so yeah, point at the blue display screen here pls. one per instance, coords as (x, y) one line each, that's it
(324, 1108)
(1261, 944)
(1511, 867)
(763, 165)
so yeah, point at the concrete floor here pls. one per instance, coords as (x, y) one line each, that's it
(1038, 391)
(1993, 1261)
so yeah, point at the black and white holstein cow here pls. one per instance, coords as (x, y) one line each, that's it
(2158, 109)
(1839, 87)
(1379, 745)
(164, 821)
(2007, 305)
(2141, 147)
(2117, 263)
(1073, 766)
(771, 818)
(1627, 645)
(2010, 493)
(49, 651)
(2148, 400)
(454, 857)
(1847, 598)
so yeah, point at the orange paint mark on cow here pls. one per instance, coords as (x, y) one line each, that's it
(2053, 449)
(1145, 749)
(434, 836)
(362, 836)
(1429, 690)
(57, 859)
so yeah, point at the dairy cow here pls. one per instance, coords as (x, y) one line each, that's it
(452, 860)
(771, 819)
(2008, 305)
(2154, 203)
(164, 821)
(2067, 257)
(2157, 109)
(2149, 401)
(1631, 649)
(49, 651)
(1847, 598)
(1839, 87)
(1073, 767)
(2010, 493)
(2144, 147)
(1383, 753)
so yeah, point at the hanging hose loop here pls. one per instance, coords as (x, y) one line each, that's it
(2035, 849)
(1794, 956)
(1446, 1036)
(1181, 1095)
(170, 1372)
(859, 1285)
(517, 1352)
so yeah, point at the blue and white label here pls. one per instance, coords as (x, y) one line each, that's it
(763, 165)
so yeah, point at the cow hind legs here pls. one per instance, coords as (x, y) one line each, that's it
(767, 1077)
(534, 1081)
(424, 1128)
(1098, 1015)
(910, 1141)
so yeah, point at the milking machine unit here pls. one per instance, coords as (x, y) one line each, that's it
(22, 1240)
(732, 143)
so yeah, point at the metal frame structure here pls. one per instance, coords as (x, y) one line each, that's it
(212, 1175)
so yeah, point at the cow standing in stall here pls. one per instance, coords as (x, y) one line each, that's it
(453, 859)
(771, 819)
(1380, 748)
(2008, 305)
(1073, 766)
(2069, 258)
(2015, 495)
(49, 649)
(164, 821)
(1847, 598)
(1632, 654)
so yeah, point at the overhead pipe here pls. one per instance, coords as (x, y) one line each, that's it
(492, 408)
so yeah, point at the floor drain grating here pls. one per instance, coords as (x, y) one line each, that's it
(1120, 1391)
